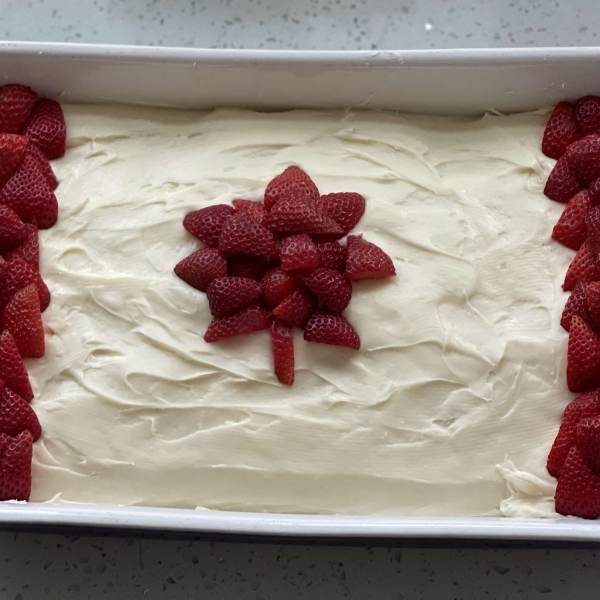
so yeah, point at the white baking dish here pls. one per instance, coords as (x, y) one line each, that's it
(441, 82)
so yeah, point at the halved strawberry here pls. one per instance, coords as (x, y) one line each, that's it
(207, 223)
(298, 253)
(12, 151)
(592, 305)
(15, 466)
(584, 267)
(588, 442)
(578, 489)
(570, 229)
(297, 307)
(332, 255)
(291, 216)
(201, 267)
(331, 288)
(584, 158)
(292, 181)
(583, 357)
(12, 230)
(43, 164)
(29, 249)
(247, 320)
(282, 343)
(46, 128)
(226, 294)
(576, 305)
(16, 415)
(592, 223)
(561, 130)
(345, 208)
(243, 235)
(366, 260)
(18, 275)
(23, 319)
(587, 115)
(12, 369)
(326, 328)
(562, 183)
(277, 285)
(16, 103)
(254, 267)
(255, 209)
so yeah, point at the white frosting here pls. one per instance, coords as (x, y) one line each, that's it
(449, 407)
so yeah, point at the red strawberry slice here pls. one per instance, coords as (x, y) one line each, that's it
(247, 320)
(207, 223)
(23, 319)
(576, 305)
(584, 267)
(282, 342)
(571, 229)
(592, 223)
(562, 183)
(16, 415)
(277, 285)
(43, 164)
(16, 103)
(12, 369)
(291, 216)
(243, 235)
(253, 267)
(226, 294)
(331, 288)
(18, 275)
(201, 267)
(345, 208)
(366, 260)
(296, 308)
(588, 442)
(587, 115)
(560, 131)
(298, 253)
(594, 191)
(29, 249)
(15, 466)
(578, 489)
(584, 158)
(592, 305)
(583, 357)
(46, 128)
(255, 209)
(28, 194)
(12, 230)
(326, 328)
(12, 151)
(292, 181)
(332, 255)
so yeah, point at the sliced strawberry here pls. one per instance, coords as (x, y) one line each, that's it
(583, 357)
(29, 249)
(332, 255)
(46, 128)
(586, 405)
(247, 320)
(290, 216)
(570, 229)
(578, 489)
(18, 275)
(16, 103)
(584, 267)
(207, 223)
(43, 164)
(591, 314)
(292, 181)
(326, 328)
(588, 442)
(243, 235)
(366, 260)
(16, 415)
(13, 231)
(345, 208)
(277, 285)
(298, 253)
(587, 115)
(562, 183)
(594, 191)
(282, 342)
(23, 319)
(15, 466)
(296, 308)
(592, 223)
(576, 305)
(584, 158)
(331, 288)
(12, 369)
(253, 267)
(28, 194)
(226, 294)
(201, 267)
(255, 209)
(561, 130)
(12, 151)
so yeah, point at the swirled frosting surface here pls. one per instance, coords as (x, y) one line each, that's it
(449, 407)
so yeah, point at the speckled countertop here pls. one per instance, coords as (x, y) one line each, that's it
(43, 566)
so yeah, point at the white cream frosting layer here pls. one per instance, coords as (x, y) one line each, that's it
(449, 407)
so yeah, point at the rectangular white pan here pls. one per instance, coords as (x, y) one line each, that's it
(429, 81)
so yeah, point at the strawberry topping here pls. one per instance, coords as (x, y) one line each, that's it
(201, 267)
(326, 328)
(583, 267)
(277, 285)
(43, 165)
(23, 319)
(332, 255)
(15, 466)
(226, 294)
(570, 229)
(16, 415)
(46, 128)
(583, 357)
(345, 208)
(16, 103)
(12, 230)
(584, 158)
(12, 369)
(12, 151)
(331, 288)
(298, 253)
(18, 275)
(255, 209)
(282, 342)
(578, 489)
(587, 115)
(367, 261)
(243, 235)
(296, 308)
(207, 223)
(594, 191)
(562, 183)
(247, 320)
(560, 131)
(29, 249)
(293, 181)
(291, 216)
(591, 314)
(576, 305)
(253, 267)
(588, 442)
